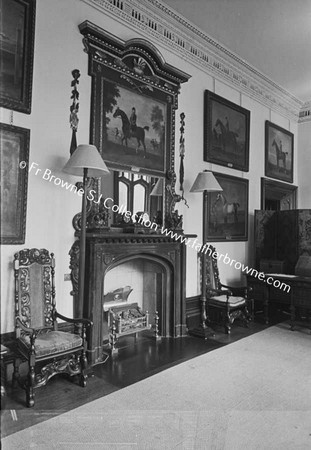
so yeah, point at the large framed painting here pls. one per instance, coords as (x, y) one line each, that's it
(279, 152)
(134, 98)
(16, 53)
(226, 132)
(135, 127)
(14, 178)
(226, 214)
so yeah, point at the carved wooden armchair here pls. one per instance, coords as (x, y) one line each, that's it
(230, 302)
(47, 350)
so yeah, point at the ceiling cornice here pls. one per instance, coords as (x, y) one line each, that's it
(305, 112)
(178, 35)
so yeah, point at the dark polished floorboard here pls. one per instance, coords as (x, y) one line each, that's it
(135, 362)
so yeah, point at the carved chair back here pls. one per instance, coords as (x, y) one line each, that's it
(212, 272)
(34, 289)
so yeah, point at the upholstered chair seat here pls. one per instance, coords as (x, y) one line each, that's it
(232, 301)
(51, 343)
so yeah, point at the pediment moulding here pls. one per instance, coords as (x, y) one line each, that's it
(175, 33)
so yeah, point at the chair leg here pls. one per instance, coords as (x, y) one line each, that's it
(16, 374)
(247, 318)
(30, 396)
(227, 323)
(84, 363)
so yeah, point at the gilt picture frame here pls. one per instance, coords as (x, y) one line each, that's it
(17, 54)
(279, 152)
(226, 132)
(14, 142)
(226, 213)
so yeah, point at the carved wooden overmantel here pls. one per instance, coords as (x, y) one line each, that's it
(137, 68)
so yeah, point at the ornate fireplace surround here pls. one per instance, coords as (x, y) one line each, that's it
(104, 251)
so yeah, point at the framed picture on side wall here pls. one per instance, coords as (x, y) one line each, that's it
(226, 132)
(226, 217)
(14, 143)
(16, 54)
(279, 152)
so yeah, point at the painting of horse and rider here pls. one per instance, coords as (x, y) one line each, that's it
(227, 215)
(279, 145)
(226, 129)
(134, 130)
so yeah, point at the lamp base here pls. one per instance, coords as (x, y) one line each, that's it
(202, 332)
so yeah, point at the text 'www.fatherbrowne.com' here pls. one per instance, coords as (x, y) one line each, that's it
(143, 220)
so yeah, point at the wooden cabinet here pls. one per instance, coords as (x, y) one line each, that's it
(281, 238)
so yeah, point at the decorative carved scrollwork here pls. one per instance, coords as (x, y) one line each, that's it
(74, 109)
(71, 365)
(29, 256)
(74, 266)
(97, 215)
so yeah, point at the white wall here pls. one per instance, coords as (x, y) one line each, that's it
(50, 209)
(304, 164)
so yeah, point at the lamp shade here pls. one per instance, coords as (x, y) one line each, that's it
(157, 190)
(205, 181)
(86, 156)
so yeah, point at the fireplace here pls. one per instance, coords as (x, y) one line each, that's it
(151, 267)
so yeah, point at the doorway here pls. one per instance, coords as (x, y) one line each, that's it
(277, 196)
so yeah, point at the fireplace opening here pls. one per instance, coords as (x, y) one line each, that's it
(144, 281)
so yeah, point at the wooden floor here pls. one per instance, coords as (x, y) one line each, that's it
(135, 362)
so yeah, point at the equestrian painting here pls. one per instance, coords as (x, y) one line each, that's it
(226, 132)
(130, 131)
(134, 133)
(279, 151)
(227, 215)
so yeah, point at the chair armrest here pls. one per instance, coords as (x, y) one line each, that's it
(85, 322)
(240, 291)
(27, 330)
(219, 291)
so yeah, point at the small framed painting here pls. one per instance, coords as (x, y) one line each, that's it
(226, 132)
(279, 152)
(226, 214)
(14, 142)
